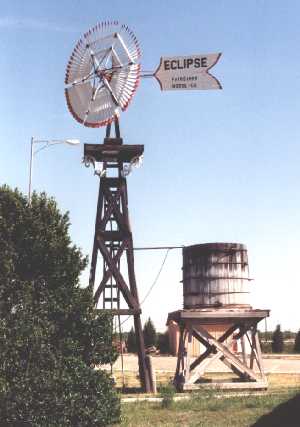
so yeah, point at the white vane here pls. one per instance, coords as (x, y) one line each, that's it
(103, 73)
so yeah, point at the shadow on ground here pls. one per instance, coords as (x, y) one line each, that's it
(286, 414)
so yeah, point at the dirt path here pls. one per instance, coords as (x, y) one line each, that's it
(168, 364)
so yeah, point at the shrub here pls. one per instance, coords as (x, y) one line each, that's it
(277, 340)
(149, 332)
(50, 335)
(131, 342)
(163, 343)
(167, 393)
(297, 343)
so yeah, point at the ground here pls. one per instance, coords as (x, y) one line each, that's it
(209, 408)
(272, 363)
(164, 367)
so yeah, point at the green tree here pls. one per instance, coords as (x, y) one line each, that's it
(163, 343)
(297, 342)
(149, 331)
(277, 340)
(131, 342)
(50, 335)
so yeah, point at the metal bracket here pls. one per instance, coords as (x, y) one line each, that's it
(98, 170)
(135, 162)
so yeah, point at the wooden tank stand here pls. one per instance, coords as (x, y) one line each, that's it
(242, 325)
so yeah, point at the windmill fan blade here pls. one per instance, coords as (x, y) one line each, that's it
(124, 83)
(102, 74)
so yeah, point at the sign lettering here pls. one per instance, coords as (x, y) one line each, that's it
(187, 72)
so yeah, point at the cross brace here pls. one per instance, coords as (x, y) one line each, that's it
(189, 374)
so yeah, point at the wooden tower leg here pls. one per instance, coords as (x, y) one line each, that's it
(244, 355)
(143, 371)
(179, 378)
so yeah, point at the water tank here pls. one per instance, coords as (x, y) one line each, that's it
(215, 275)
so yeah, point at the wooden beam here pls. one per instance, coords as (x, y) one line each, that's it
(129, 298)
(179, 353)
(259, 356)
(203, 366)
(119, 311)
(252, 354)
(188, 357)
(204, 361)
(113, 150)
(245, 325)
(235, 361)
(114, 208)
(236, 371)
(112, 236)
(95, 246)
(203, 341)
(243, 350)
(108, 273)
(243, 385)
(220, 314)
(209, 350)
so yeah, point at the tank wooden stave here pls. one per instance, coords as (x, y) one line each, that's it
(215, 275)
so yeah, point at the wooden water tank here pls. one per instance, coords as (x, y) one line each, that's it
(215, 275)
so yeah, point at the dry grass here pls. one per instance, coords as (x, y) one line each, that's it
(209, 408)
(280, 381)
(277, 382)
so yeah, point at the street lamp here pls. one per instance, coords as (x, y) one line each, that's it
(47, 143)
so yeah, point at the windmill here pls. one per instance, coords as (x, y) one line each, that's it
(101, 78)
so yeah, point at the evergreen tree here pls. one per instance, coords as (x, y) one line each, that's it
(277, 340)
(297, 343)
(163, 343)
(149, 332)
(50, 335)
(131, 342)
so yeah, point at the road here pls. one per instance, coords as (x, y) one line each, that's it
(284, 364)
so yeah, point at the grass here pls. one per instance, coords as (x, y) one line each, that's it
(203, 409)
(208, 408)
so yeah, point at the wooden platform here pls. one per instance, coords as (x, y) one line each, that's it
(257, 385)
(113, 150)
(218, 315)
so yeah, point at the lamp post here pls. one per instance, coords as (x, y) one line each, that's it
(46, 143)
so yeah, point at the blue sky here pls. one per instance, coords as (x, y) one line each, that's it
(218, 165)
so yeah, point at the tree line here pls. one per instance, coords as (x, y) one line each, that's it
(153, 340)
(280, 341)
(277, 341)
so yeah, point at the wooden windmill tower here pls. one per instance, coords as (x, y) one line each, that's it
(102, 76)
(113, 237)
